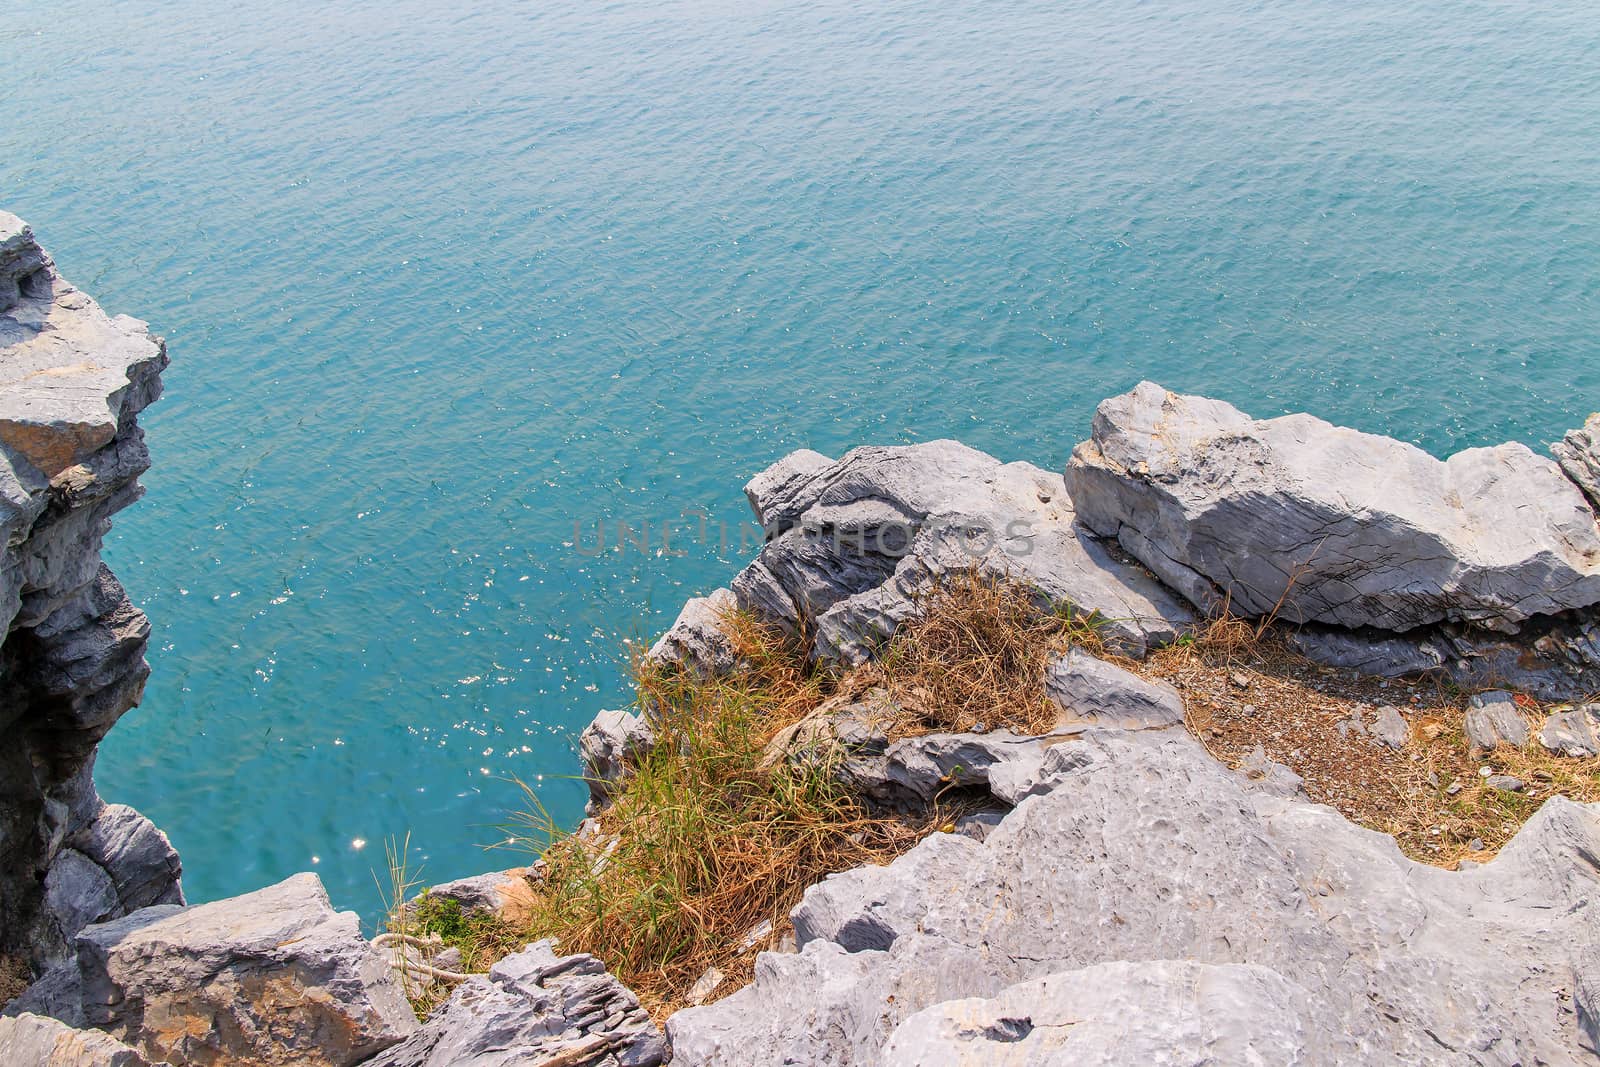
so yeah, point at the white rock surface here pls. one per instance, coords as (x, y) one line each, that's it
(1148, 865)
(1193, 1014)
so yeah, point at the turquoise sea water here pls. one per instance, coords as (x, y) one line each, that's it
(440, 284)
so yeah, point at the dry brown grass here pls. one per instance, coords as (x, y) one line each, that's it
(704, 842)
(975, 657)
(14, 977)
(1244, 685)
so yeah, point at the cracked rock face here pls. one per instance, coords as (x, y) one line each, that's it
(1579, 455)
(72, 383)
(271, 977)
(1153, 902)
(853, 543)
(531, 1008)
(1326, 524)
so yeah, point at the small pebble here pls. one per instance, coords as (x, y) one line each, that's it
(1455, 787)
(1505, 783)
(1476, 844)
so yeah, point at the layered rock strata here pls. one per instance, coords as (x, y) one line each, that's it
(73, 381)
(1313, 522)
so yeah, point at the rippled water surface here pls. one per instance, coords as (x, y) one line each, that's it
(443, 286)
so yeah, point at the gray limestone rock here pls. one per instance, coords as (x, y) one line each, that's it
(73, 381)
(271, 977)
(1574, 732)
(1492, 720)
(529, 1008)
(78, 891)
(1091, 691)
(853, 545)
(1579, 455)
(1390, 728)
(697, 640)
(37, 1041)
(850, 736)
(1318, 523)
(494, 893)
(142, 863)
(1148, 868)
(607, 746)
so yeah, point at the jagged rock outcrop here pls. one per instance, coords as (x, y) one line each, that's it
(851, 737)
(852, 545)
(1149, 868)
(607, 747)
(1319, 523)
(271, 977)
(1579, 455)
(72, 383)
(698, 639)
(532, 1008)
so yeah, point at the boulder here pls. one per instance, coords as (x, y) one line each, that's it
(1492, 720)
(852, 546)
(141, 862)
(1574, 732)
(1146, 869)
(530, 1009)
(271, 977)
(1312, 522)
(37, 1041)
(1579, 455)
(1091, 691)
